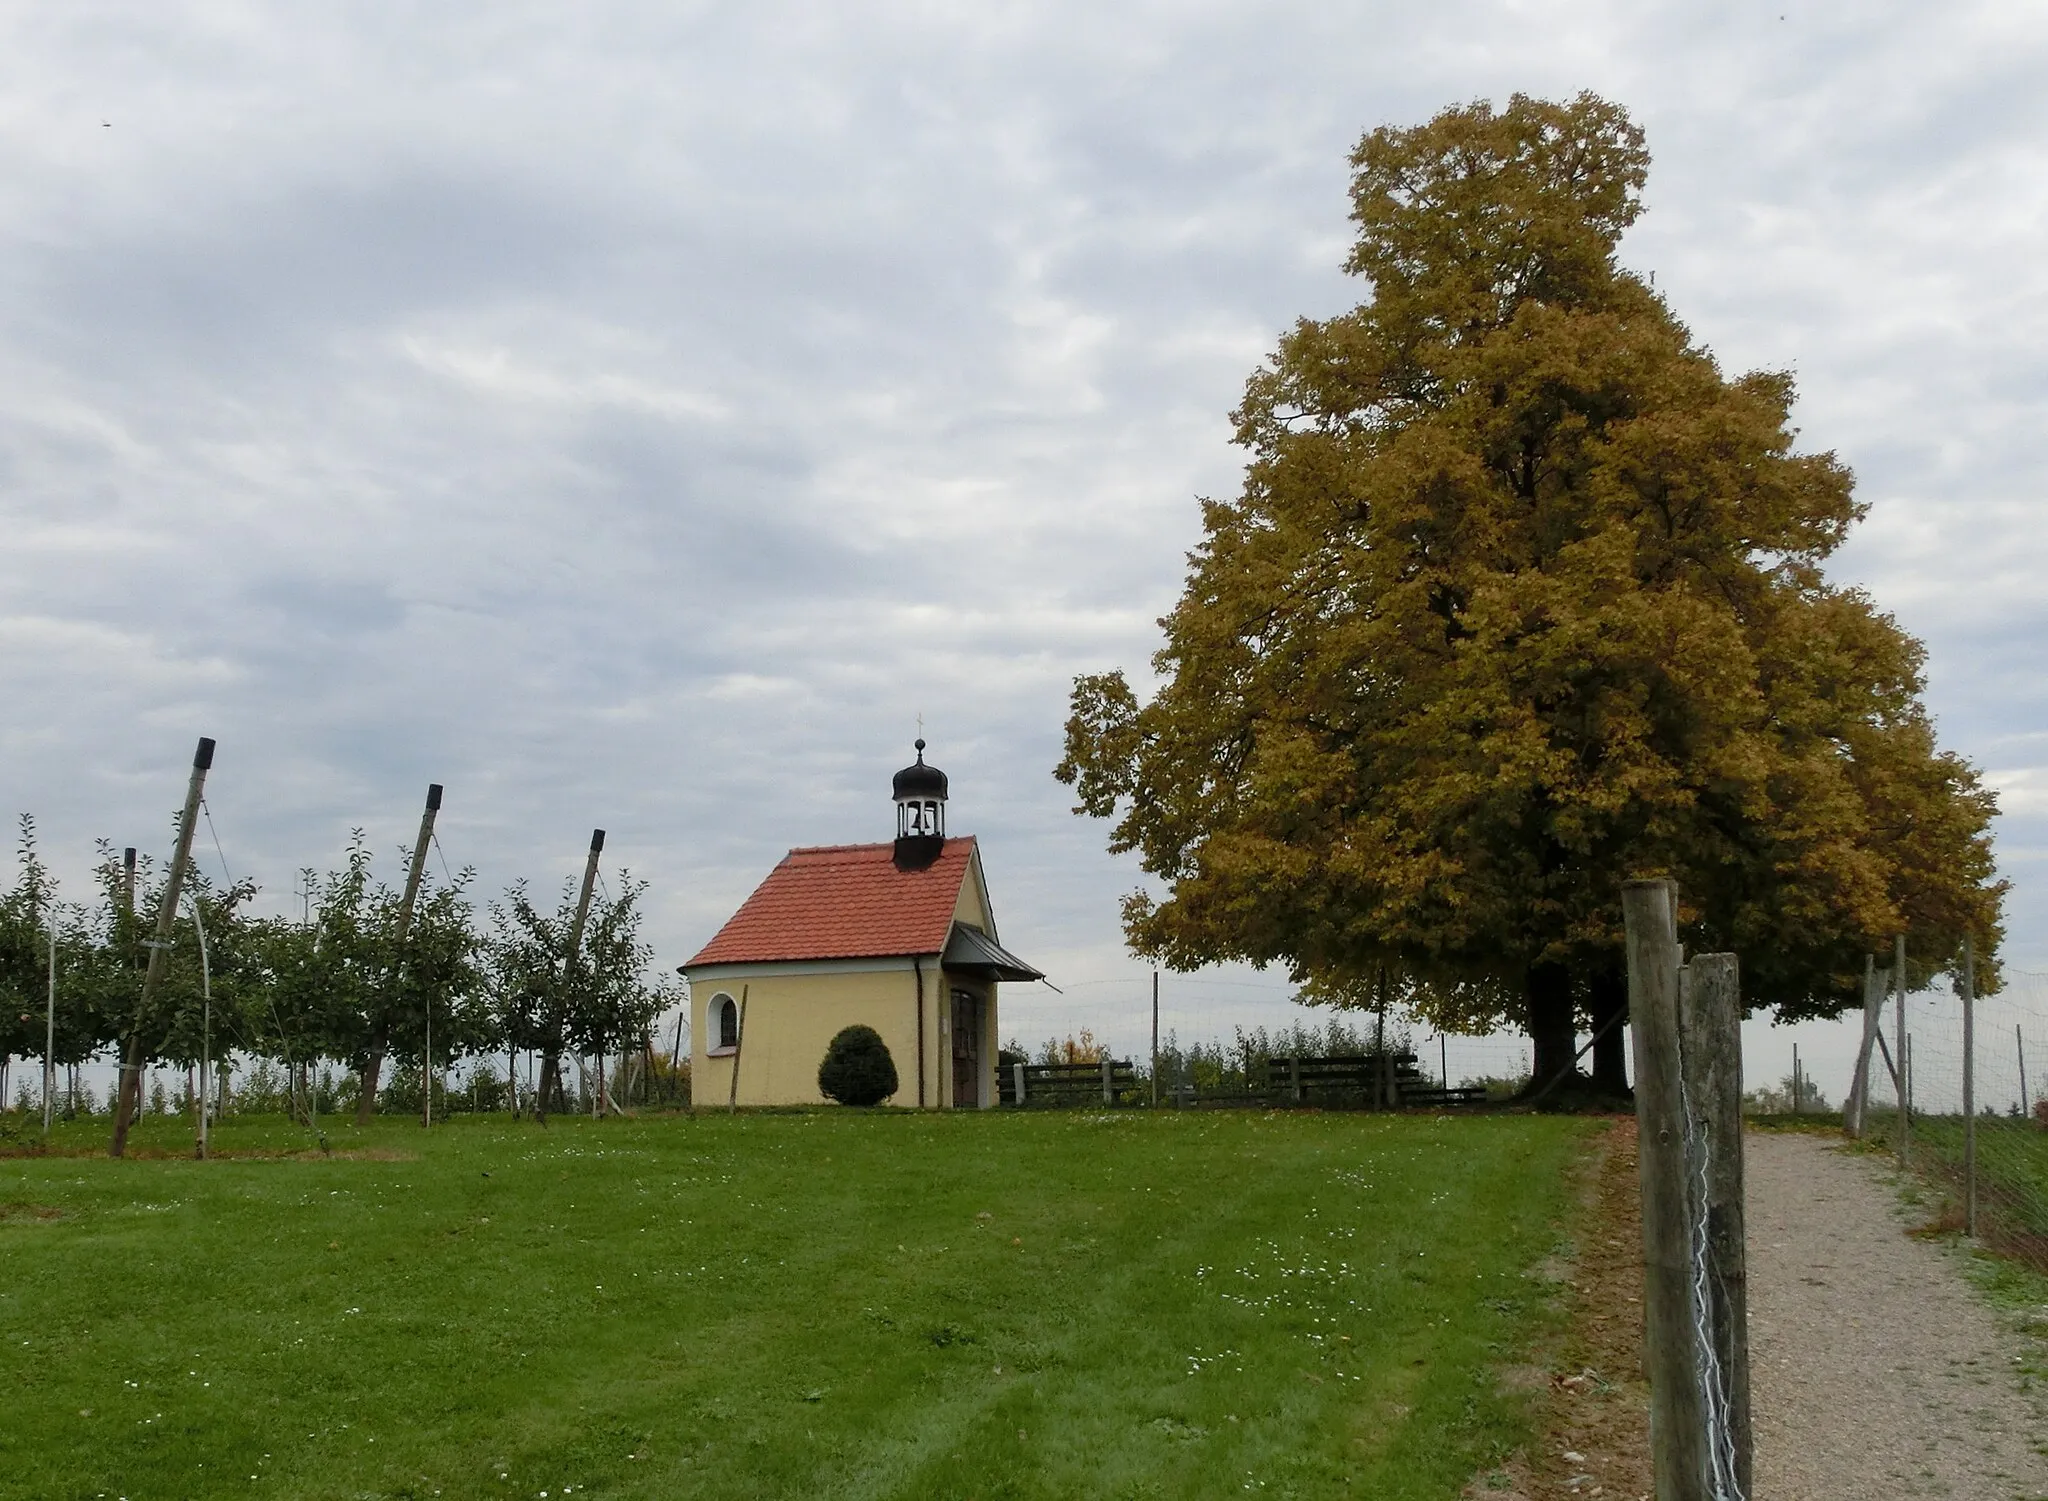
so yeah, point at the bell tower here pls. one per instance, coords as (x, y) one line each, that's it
(920, 813)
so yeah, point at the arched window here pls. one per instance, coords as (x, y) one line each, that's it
(725, 1025)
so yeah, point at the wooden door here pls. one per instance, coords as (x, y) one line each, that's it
(966, 1049)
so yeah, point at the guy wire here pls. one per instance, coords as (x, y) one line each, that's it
(226, 876)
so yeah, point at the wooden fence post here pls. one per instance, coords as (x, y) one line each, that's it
(1018, 1070)
(1677, 1436)
(1108, 1086)
(1969, 1088)
(1382, 1086)
(1875, 983)
(1905, 1070)
(1710, 1049)
(1906, 1110)
(2019, 1041)
(1155, 1036)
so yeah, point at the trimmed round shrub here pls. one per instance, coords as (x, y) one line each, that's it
(857, 1069)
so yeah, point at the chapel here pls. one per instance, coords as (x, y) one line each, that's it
(900, 936)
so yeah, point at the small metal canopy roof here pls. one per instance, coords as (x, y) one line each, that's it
(973, 952)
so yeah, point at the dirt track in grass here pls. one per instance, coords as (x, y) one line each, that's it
(1597, 1439)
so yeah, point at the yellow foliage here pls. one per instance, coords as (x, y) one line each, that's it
(1523, 598)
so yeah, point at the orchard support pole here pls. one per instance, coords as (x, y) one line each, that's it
(675, 1062)
(129, 1091)
(569, 958)
(405, 913)
(205, 1025)
(50, 1032)
(380, 1044)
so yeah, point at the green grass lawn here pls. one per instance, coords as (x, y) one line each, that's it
(828, 1304)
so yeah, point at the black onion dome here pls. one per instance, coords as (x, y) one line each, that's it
(920, 780)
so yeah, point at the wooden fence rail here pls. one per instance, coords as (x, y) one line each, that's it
(1285, 1080)
(1068, 1083)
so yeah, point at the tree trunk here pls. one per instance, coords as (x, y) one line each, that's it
(1610, 1051)
(372, 1071)
(550, 1067)
(1550, 1021)
(128, 1095)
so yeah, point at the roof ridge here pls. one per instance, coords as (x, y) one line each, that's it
(881, 844)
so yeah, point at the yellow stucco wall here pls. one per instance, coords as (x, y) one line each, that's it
(792, 1018)
(973, 906)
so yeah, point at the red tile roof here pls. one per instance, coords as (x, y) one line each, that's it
(844, 901)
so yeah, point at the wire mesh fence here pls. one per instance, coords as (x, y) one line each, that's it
(1998, 1154)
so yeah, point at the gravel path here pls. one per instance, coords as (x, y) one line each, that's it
(1875, 1370)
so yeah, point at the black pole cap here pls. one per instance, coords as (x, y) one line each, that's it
(128, 857)
(596, 841)
(202, 759)
(433, 797)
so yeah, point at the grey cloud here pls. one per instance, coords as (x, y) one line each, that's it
(638, 419)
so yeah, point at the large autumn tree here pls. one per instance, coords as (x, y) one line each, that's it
(1522, 598)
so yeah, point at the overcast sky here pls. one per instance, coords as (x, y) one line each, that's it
(636, 415)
